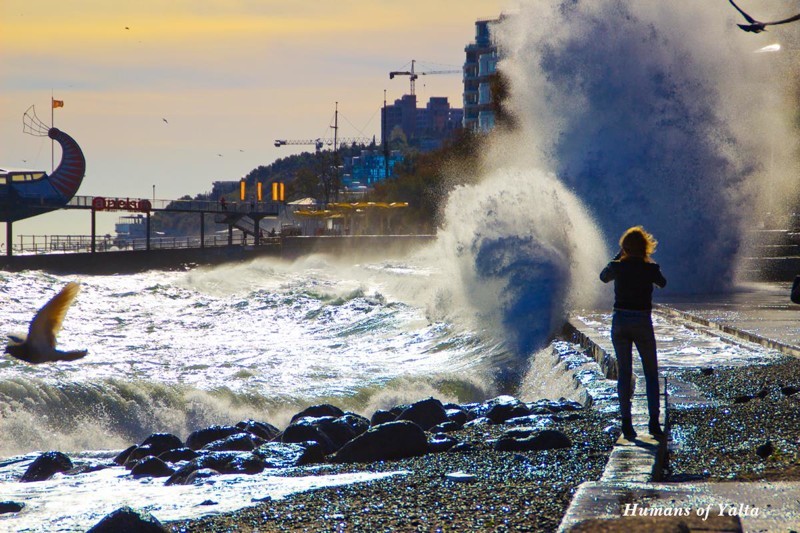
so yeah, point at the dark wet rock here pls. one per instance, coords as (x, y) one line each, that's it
(545, 440)
(241, 442)
(124, 454)
(393, 440)
(568, 417)
(345, 428)
(162, 442)
(446, 427)
(127, 520)
(425, 413)
(201, 437)
(151, 467)
(45, 466)
(223, 462)
(381, 417)
(789, 390)
(86, 469)
(530, 420)
(441, 443)
(459, 416)
(11, 507)
(308, 429)
(317, 411)
(178, 454)
(397, 409)
(138, 453)
(742, 399)
(198, 475)
(543, 407)
(475, 410)
(762, 393)
(261, 430)
(503, 408)
(707, 371)
(281, 455)
(462, 447)
(480, 421)
(765, 450)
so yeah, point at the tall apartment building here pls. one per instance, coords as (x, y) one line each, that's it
(480, 64)
(424, 128)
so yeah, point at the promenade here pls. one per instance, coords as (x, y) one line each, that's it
(754, 325)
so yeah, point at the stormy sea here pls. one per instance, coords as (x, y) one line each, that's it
(625, 113)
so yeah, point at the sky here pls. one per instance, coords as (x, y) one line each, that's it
(178, 94)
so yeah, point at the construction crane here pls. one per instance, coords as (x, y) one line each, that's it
(319, 143)
(413, 74)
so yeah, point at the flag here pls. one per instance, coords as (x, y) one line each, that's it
(58, 103)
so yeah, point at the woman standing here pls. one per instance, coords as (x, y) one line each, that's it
(634, 275)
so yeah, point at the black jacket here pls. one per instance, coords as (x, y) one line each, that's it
(633, 283)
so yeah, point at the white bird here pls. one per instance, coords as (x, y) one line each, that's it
(40, 344)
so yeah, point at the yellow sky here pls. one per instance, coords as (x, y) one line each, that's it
(230, 76)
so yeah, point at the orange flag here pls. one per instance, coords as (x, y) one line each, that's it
(58, 103)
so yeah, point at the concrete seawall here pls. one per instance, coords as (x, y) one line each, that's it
(126, 262)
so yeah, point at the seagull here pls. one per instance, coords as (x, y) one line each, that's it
(756, 26)
(165, 120)
(40, 344)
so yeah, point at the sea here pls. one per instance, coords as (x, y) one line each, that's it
(624, 112)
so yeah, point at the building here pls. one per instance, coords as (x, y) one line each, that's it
(403, 123)
(368, 168)
(480, 64)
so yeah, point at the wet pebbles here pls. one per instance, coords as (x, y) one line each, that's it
(753, 431)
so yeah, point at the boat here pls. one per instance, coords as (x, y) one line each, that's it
(27, 193)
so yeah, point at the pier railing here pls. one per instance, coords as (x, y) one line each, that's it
(48, 244)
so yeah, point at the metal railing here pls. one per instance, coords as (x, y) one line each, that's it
(48, 244)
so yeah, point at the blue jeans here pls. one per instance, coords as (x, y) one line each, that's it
(629, 328)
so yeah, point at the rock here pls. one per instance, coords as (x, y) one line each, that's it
(425, 413)
(11, 507)
(178, 454)
(45, 466)
(201, 437)
(345, 428)
(280, 455)
(138, 453)
(124, 454)
(462, 447)
(318, 411)
(459, 416)
(151, 467)
(763, 393)
(545, 440)
(198, 475)
(543, 407)
(537, 421)
(707, 371)
(222, 462)
(381, 417)
(260, 429)
(503, 408)
(308, 429)
(742, 399)
(460, 477)
(393, 440)
(127, 520)
(765, 450)
(446, 427)
(441, 443)
(240, 442)
(480, 421)
(789, 390)
(162, 442)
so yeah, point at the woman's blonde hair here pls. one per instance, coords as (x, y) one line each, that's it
(636, 242)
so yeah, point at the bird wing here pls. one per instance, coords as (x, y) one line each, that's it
(47, 322)
(784, 21)
(747, 17)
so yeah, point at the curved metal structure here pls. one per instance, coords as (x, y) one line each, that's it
(27, 193)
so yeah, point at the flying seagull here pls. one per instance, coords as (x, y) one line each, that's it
(40, 344)
(165, 120)
(756, 26)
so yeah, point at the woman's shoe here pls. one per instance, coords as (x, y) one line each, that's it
(655, 429)
(627, 429)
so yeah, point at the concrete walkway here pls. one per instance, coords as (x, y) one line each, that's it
(749, 326)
